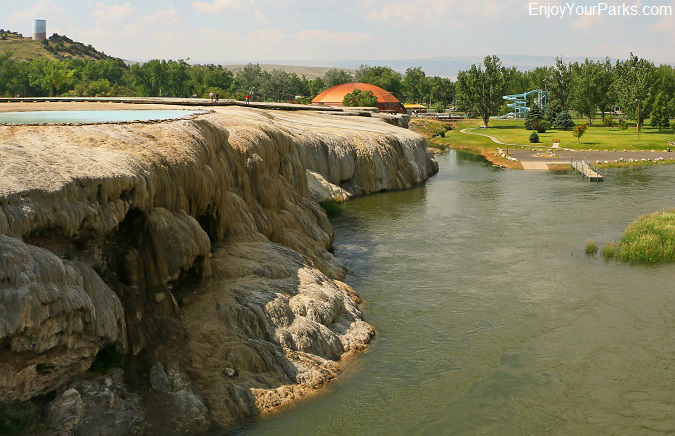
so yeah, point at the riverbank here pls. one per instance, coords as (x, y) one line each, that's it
(197, 249)
(466, 135)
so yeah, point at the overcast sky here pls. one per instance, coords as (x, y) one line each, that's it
(260, 30)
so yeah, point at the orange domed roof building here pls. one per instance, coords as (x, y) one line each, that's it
(334, 96)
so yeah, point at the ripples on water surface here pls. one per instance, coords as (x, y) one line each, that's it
(491, 319)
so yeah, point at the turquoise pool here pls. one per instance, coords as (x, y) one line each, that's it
(105, 116)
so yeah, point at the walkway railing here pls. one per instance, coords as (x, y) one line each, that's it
(587, 170)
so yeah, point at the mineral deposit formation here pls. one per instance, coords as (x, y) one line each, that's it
(191, 256)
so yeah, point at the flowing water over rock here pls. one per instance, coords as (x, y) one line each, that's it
(490, 317)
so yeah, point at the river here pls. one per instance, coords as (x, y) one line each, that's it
(490, 317)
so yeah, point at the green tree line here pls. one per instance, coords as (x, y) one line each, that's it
(589, 87)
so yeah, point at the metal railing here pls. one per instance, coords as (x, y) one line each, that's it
(586, 169)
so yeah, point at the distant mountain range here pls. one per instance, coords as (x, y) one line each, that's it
(445, 66)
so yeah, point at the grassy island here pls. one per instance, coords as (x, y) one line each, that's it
(648, 239)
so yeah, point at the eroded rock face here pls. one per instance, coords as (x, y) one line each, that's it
(195, 247)
(54, 316)
(102, 406)
(274, 319)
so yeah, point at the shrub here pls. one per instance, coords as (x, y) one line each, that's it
(534, 137)
(609, 250)
(332, 207)
(608, 121)
(672, 126)
(623, 125)
(543, 126)
(591, 247)
(564, 121)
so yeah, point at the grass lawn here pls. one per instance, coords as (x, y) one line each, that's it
(596, 137)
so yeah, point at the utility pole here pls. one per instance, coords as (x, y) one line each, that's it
(638, 120)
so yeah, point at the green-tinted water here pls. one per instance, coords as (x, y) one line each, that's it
(103, 116)
(491, 319)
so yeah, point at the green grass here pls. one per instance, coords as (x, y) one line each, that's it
(596, 137)
(591, 247)
(648, 239)
(25, 49)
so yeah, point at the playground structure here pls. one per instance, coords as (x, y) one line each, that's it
(518, 102)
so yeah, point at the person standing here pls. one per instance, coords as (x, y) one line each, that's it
(217, 97)
(211, 95)
(248, 99)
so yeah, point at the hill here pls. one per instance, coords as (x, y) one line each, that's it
(308, 71)
(55, 47)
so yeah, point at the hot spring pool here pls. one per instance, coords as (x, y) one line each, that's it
(105, 116)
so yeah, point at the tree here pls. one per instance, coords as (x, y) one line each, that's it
(150, 78)
(532, 114)
(592, 88)
(337, 76)
(384, 77)
(316, 86)
(579, 131)
(584, 92)
(563, 121)
(358, 98)
(50, 74)
(559, 82)
(480, 89)
(249, 79)
(442, 90)
(534, 137)
(660, 115)
(7, 71)
(634, 83)
(178, 73)
(414, 84)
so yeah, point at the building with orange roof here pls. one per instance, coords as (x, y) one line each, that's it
(335, 95)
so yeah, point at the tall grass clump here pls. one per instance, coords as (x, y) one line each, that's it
(332, 206)
(591, 247)
(648, 239)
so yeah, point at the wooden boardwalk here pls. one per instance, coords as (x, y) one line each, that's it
(587, 170)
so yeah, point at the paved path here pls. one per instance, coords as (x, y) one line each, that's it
(534, 165)
(468, 132)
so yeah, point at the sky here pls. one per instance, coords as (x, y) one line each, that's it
(320, 30)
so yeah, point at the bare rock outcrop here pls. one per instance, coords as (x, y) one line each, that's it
(194, 247)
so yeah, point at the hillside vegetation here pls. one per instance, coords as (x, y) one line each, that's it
(55, 47)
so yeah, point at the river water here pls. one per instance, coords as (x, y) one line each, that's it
(490, 317)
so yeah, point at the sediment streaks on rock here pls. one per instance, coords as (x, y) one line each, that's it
(195, 246)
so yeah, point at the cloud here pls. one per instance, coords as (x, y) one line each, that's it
(216, 6)
(114, 12)
(167, 16)
(424, 13)
(41, 8)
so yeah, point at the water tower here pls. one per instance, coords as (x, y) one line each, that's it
(39, 29)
